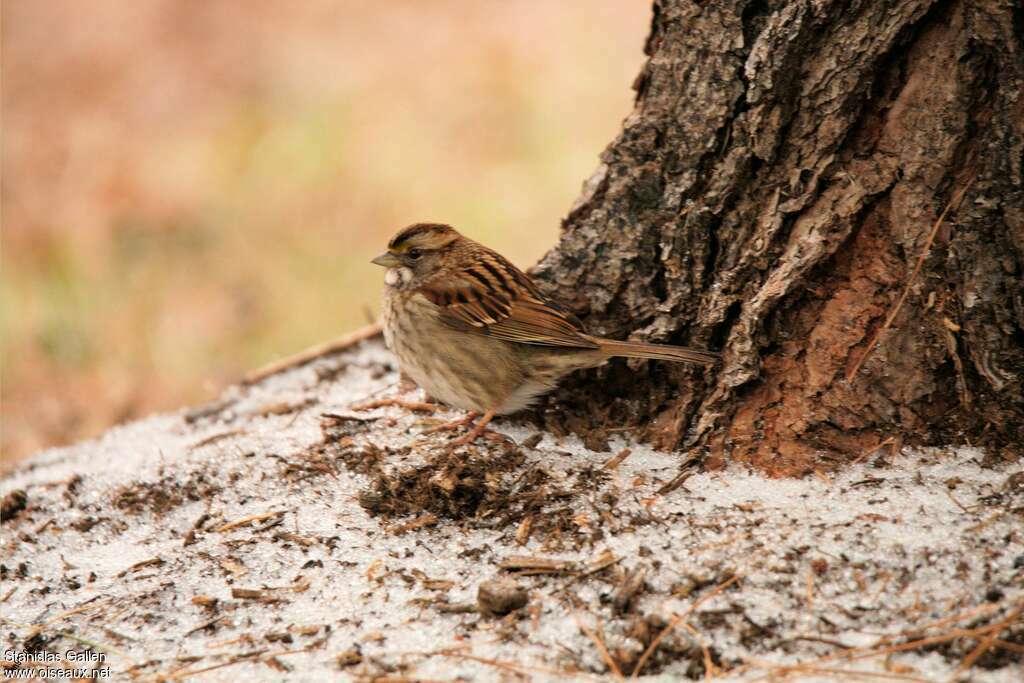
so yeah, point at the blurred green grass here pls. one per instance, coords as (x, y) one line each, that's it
(192, 192)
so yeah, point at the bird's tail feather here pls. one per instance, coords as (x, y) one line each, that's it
(627, 349)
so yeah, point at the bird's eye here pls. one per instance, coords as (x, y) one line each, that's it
(414, 254)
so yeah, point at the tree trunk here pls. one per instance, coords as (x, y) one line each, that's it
(831, 193)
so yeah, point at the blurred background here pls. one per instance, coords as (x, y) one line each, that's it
(193, 189)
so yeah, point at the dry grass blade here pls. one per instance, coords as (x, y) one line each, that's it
(239, 659)
(1007, 645)
(981, 610)
(709, 665)
(957, 198)
(215, 438)
(179, 675)
(97, 645)
(686, 470)
(377, 678)
(676, 621)
(89, 605)
(883, 675)
(600, 563)
(854, 654)
(601, 648)
(510, 666)
(987, 642)
(870, 451)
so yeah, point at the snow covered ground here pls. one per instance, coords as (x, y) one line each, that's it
(278, 534)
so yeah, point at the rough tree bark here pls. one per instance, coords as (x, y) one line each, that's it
(787, 164)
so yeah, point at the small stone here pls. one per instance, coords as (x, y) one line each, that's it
(349, 657)
(994, 595)
(498, 597)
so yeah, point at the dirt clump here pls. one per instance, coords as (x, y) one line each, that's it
(451, 485)
(493, 486)
(161, 496)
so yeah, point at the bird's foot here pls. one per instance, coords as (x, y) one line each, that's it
(454, 424)
(416, 406)
(478, 430)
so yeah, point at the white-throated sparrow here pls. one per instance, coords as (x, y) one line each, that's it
(474, 332)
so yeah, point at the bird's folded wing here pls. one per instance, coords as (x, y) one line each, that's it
(510, 308)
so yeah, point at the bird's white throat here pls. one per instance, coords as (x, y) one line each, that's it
(396, 277)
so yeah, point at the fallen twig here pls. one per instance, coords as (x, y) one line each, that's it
(537, 565)
(709, 665)
(871, 451)
(857, 653)
(986, 643)
(510, 666)
(601, 648)
(676, 621)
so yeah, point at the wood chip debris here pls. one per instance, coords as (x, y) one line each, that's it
(152, 562)
(294, 538)
(616, 460)
(248, 520)
(630, 586)
(527, 565)
(428, 519)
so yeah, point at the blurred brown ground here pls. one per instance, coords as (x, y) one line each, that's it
(191, 189)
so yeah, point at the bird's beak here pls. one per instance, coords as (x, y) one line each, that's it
(387, 260)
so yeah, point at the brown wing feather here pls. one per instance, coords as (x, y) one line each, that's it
(495, 298)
